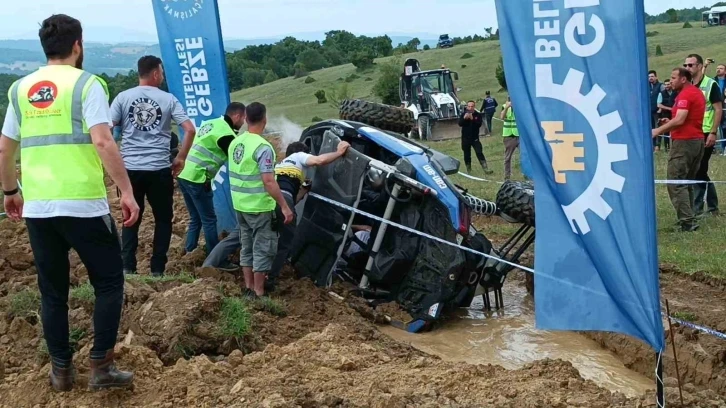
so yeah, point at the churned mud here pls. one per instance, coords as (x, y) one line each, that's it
(313, 349)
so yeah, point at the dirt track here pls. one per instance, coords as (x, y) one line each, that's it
(322, 352)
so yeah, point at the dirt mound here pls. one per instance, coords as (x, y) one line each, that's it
(701, 357)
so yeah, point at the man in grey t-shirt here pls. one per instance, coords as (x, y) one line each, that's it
(145, 114)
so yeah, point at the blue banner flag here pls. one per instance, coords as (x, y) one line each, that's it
(585, 126)
(190, 38)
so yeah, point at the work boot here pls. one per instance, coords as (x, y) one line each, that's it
(468, 169)
(157, 274)
(62, 379)
(104, 374)
(228, 267)
(485, 167)
(689, 227)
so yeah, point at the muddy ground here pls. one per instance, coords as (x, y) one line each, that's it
(317, 350)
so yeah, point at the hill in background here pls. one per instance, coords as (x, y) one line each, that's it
(295, 99)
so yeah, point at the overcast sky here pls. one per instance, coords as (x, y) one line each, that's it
(133, 20)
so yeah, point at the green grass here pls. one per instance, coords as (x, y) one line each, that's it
(272, 306)
(689, 317)
(690, 253)
(25, 303)
(234, 317)
(183, 277)
(84, 293)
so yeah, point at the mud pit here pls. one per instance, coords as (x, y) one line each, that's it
(320, 352)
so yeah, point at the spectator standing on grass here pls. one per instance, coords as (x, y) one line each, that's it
(711, 125)
(721, 81)
(470, 122)
(687, 145)
(208, 154)
(489, 109)
(666, 99)
(291, 177)
(511, 137)
(59, 116)
(145, 113)
(655, 89)
(255, 194)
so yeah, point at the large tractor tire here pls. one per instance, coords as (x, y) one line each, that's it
(515, 199)
(384, 117)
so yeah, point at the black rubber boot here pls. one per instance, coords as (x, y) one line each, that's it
(468, 169)
(62, 379)
(104, 374)
(485, 167)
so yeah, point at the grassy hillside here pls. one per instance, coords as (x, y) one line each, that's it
(294, 98)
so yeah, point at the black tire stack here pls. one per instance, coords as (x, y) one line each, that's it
(384, 117)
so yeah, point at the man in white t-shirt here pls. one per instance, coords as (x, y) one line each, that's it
(59, 118)
(292, 181)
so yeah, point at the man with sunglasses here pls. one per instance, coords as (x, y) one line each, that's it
(711, 123)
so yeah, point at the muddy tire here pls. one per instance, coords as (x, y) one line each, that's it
(515, 200)
(384, 117)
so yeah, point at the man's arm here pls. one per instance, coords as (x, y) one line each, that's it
(677, 121)
(9, 142)
(224, 142)
(117, 110)
(266, 165)
(111, 158)
(716, 100)
(180, 118)
(462, 121)
(503, 115)
(327, 158)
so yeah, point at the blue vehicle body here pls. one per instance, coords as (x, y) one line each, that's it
(426, 171)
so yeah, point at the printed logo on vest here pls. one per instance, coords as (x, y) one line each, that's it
(145, 114)
(42, 94)
(239, 151)
(205, 129)
(182, 9)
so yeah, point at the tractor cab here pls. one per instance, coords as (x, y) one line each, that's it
(432, 97)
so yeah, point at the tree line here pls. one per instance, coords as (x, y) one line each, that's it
(679, 16)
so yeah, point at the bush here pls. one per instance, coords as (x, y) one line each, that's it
(336, 96)
(351, 78)
(309, 80)
(658, 51)
(499, 73)
(320, 94)
(426, 47)
(316, 119)
(687, 25)
(651, 33)
(363, 59)
(467, 56)
(386, 87)
(369, 79)
(271, 77)
(463, 65)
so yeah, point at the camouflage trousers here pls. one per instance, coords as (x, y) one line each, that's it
(683, 164)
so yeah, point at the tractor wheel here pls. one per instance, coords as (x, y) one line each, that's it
(515, 199)
(384, 117)
(424, 127)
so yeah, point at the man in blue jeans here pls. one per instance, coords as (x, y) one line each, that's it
(207, 155)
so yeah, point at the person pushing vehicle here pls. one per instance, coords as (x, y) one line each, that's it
(64, 137)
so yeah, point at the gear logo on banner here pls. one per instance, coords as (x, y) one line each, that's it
(182, 9)
(565, 152)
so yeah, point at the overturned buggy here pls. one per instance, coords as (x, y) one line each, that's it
(397, 180)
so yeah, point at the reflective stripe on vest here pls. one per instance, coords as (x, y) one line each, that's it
(709, 115)
(58, 158)
(205, 157)
(248, 190)
(510, 124)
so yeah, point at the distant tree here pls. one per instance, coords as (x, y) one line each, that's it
(499, 73)
(363, 59)
(337, 95)
(672, 15)
(426, 47)
(413, 44)
(271, 77)
(386, 87)
(312, 60)
(320, 94)
(687, 25)
(658, 51)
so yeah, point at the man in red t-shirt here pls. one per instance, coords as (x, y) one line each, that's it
(687, 144)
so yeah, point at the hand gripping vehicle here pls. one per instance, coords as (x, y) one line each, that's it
(397, 180)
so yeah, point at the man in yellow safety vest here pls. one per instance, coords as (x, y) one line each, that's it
(711, 124)
(59, 116)
(511, 137)
(255, 194)
(207, 155)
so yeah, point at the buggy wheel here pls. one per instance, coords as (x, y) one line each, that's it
(384, 117)
(515, 199)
